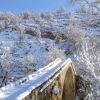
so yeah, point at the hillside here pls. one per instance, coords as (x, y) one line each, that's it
(29, 42)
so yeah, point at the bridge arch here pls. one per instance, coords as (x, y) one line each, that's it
(69, 84)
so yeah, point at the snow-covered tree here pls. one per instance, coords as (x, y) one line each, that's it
(2, 25)
(29, 64)
(47, 16)
(24, 15)
(38, 34)
(87, 62)
(22, 31)
(88, 6)
(8, 18)
(36, 16)
(53, 53)
(5, 65)
(88, 57)
(61, 10)
(73, 33)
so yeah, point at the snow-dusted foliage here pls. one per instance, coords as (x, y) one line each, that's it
(74, 33)
(61, 10)
(24, 15)
(38, 35)
(22, 31)
(5, 65)
(7, 19)
(53, 53)
(29, 64)
(2, 25)
(88, 61)
(36, 16)
(88, 6)
(87, 54)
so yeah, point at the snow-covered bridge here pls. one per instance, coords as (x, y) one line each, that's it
(55, 81)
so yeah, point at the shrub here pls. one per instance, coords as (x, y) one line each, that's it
(21, 30)
(87, 62)
(7, 19)
(53, 53)
(86, 54)
(2, 25)
(73, 33)
(61, 10)
(24, 15)
(29, 64)
(36, 16)
(38, 35)
(5, 65)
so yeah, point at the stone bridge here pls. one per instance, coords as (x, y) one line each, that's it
(55, 81)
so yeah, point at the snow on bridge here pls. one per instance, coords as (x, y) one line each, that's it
(55, 81)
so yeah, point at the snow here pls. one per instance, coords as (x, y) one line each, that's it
(56, 90)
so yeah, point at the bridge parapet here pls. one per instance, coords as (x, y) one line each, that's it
(55, 81)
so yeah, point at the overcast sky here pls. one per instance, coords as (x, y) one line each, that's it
(17, 6)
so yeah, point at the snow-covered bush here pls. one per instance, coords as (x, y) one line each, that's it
(86, 54)
(48, 19)
(93, 21)
(88, 61)
(2, 25)
(5, 65)
(22, 31)
(53, 53)
(29, 64)
(9, 19)
(88, 6)
(38, 35)
(74, 33)
(61, 10)
(36, 16)
(47, 16)
(24, 15)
